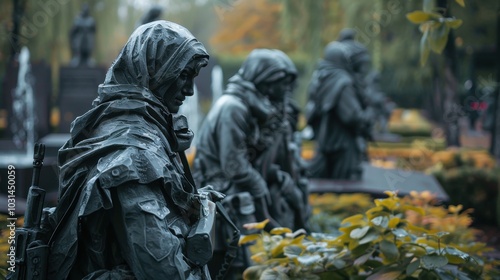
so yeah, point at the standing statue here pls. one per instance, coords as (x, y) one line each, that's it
(236, 148)
(277, 162)
(82, 37)
(154, 13)
(337, 115)
(128, 208)
(381, 106)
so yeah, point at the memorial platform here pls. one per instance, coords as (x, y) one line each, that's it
(376, 180)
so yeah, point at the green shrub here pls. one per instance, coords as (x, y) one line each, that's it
(379, 244)
(472, 187)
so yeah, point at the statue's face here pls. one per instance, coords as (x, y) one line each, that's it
(174, 96)
(363, 68)
(276, 91)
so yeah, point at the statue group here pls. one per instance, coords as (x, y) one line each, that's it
(343, 109)
(129, 207)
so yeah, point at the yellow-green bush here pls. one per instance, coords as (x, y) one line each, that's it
(380, 243)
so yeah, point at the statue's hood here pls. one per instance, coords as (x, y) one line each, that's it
(154, 56)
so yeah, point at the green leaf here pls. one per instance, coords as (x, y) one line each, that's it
(353, 220)
(428, 275)
(412, 267)
(292, 251)
(369, 237)
(306, 276)
(442, 233)
(381, 221)
(316, 247)
(460, 2)
(254, 272)
(280, 230)
(389, 249)
(418, 17)
(438, 38)
(360, 250)
(308, 260)
(424, 49)
(456, 256)
(385, 275)
(399, 232)
(433, 261)
(359, 232)
(336, 263)
(361, 260)
(248, 238)
(271, 274)
(453, 23)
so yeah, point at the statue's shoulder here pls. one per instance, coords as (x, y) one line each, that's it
(133, 164)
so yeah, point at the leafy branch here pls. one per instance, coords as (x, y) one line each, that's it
(434, 26)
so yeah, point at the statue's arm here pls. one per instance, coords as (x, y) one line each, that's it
(233, 132)
(349, 109)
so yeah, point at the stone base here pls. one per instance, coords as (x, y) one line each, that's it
(376, 180)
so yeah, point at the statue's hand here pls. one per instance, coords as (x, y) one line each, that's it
(286, 182)
(212, 194)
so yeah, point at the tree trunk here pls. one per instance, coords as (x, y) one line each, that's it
(445, 87)
(495, 132)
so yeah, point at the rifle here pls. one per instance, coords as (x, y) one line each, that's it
(31, 251)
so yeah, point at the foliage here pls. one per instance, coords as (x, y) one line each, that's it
(409, 122)
(473, 187)
(257, 30)
(381, 243)
(435, 28)
(330, 209)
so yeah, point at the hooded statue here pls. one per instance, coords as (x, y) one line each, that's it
(126, 205)
(336, 115)
(228, 140)
(232, 145)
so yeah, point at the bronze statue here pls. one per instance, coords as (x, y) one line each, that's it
(128, 208)
(235, 151)
(154, 13)
(380, 103)
(82, 37)
(336, 113)
(280, 164)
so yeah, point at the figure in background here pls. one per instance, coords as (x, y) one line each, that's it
(127, 206)
(154, 13)
(82, 37)
(280, 163)
(336, 113)
(381, 106)
(360, 60)
(236, 147)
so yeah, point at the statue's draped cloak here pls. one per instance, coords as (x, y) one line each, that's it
(227, 140)
(127, 137)
(336, 115)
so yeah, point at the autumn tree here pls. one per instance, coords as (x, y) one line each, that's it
(248, 24)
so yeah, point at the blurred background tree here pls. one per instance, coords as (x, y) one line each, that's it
(231, 28)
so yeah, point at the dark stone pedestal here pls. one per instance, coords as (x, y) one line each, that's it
(77, 90)
(376, 180)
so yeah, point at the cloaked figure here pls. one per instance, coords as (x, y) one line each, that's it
(128, 208)
(82, 38)
(336, 113)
